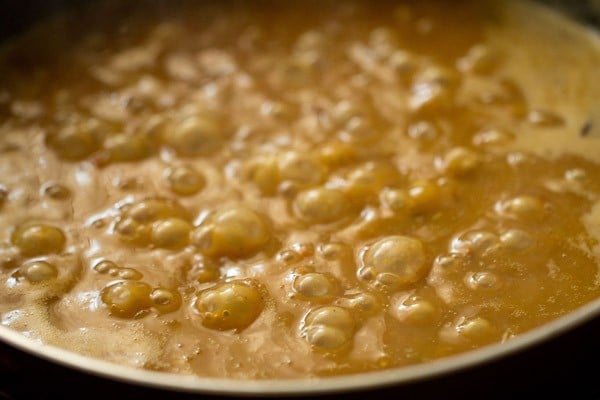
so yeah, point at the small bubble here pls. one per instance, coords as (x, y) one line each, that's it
(482, 280)
(56, 191)
(546, 119)
(129, 273)
(288, 256)
(38, 271)
(104, 266)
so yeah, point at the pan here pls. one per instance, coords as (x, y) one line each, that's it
(552, 357)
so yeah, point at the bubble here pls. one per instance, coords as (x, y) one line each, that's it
(326, 337)
(477, 242)
(474, 328)
(56, 191)
(461, 161)
(38, 239)
(395, 261)
(234, 232)
(365, 304)
(328, 328)
(522, 207)
(171, 233)
(516, 239)
(414, 310)
(322, 205)
(195, 136)
(133, 232)
(104, 266)
(184, 180)
(232, 305)
(74, 143)
(482, 280)
(301, 168)
(127, 299)
(129, 274)
(333, 316)
(38, 271)
(165, 300)
(315, 287)
(123, 148)
(153, 209)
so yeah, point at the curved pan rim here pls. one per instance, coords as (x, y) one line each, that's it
(303, 386)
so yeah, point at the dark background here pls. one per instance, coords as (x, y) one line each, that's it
(565, 367)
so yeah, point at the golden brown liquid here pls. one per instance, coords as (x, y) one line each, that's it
(270, 190)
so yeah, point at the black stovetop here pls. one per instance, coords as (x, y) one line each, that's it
(566, 365)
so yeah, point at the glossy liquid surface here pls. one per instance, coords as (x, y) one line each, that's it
(277, 191)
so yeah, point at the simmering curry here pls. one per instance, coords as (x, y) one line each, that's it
(276, 190)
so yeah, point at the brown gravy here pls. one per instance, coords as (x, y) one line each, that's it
(270, 190)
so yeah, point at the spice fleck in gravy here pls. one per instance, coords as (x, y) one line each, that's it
(275, 190)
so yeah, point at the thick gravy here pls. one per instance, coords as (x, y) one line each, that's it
(267, 190)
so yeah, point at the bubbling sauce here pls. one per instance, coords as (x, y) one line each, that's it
(274, 190)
